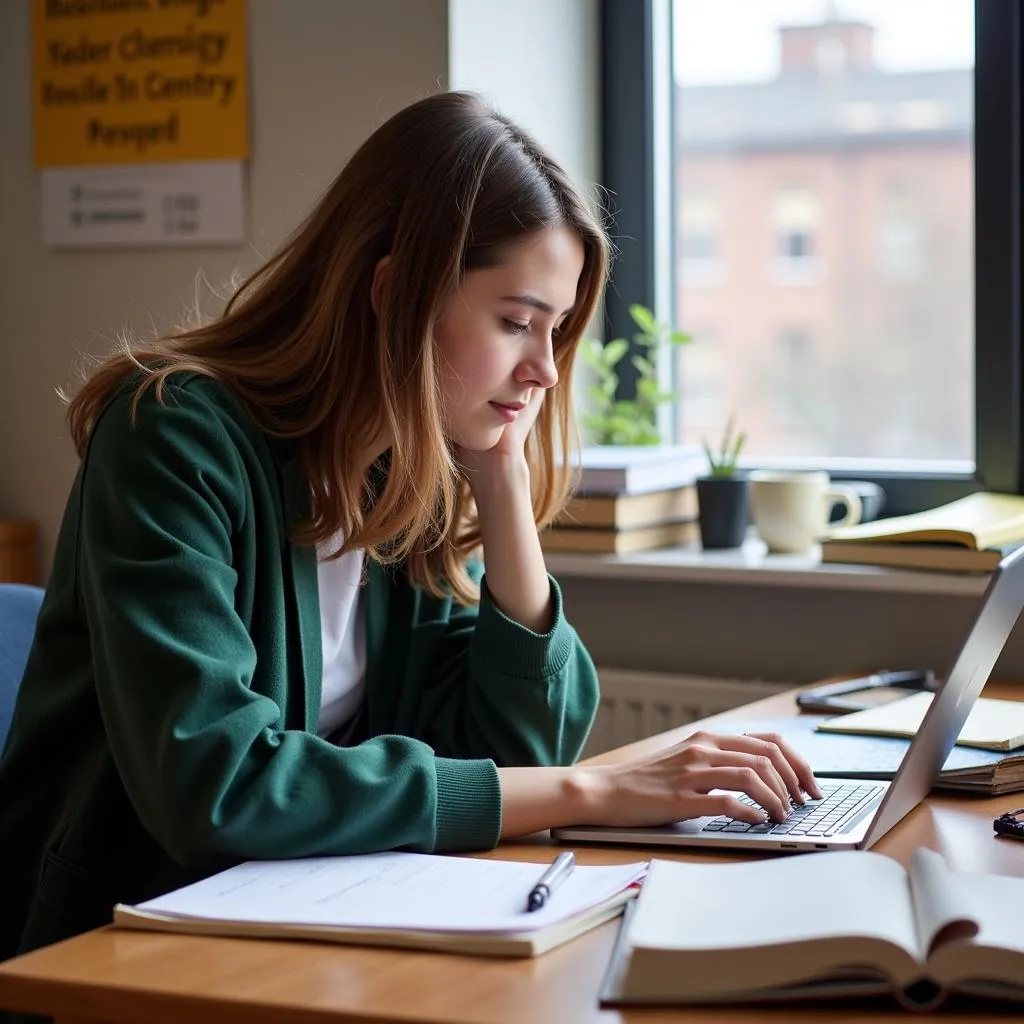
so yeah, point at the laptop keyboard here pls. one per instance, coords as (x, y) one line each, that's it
(825, 817)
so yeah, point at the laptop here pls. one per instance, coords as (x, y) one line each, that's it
(855, 813)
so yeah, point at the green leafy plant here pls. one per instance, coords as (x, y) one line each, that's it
(614, 420)
(723, 462)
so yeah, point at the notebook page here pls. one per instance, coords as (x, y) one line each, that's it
(403, 891)
(990, 722)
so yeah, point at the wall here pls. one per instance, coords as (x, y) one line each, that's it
(537, 61)
(324, 73)
(775, 633)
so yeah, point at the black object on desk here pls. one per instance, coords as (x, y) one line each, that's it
(866, 691)
(1010, 824)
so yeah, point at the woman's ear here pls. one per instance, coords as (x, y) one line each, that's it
(379, 283)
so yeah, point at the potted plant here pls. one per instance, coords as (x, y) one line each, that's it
(723, 495)
(633, 421)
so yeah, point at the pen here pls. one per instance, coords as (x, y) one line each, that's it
(553, 877)
(889, 678)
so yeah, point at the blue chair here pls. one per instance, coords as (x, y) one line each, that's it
(19, 609)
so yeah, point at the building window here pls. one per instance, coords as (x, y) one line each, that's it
(704, 380)
(795, 347)
(701, 265)
(795, 225)
(901, 235)
(801, 133)
(792, 375)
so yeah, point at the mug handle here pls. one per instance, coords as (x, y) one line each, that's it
(850, 499)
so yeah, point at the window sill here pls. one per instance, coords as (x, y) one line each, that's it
(752, 565)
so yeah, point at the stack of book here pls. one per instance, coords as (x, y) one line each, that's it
(630, 499)
(970, 534)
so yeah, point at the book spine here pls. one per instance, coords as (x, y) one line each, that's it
(921, 995)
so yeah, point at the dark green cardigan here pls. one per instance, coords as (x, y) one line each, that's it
(166, 724)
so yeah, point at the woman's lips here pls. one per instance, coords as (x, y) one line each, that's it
(508, 412)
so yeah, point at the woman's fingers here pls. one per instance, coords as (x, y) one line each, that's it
(722, 805)
(746, 780)
(717, 758)
(800, 767)
(794, 771)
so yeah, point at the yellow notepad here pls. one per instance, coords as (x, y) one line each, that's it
(978, 521)
(991, 725)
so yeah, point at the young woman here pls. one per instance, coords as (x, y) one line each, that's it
(264, 634)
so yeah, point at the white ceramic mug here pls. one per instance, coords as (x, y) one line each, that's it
(791, 510)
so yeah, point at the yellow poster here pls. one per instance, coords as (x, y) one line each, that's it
(139, 81)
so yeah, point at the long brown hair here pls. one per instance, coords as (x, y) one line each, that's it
(444, 187)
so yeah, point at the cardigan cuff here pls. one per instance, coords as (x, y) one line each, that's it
(468, 805)
(522, 654)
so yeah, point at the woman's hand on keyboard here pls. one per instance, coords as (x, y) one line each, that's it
(676, 783)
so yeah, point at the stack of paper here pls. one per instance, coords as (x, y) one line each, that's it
(455, 904)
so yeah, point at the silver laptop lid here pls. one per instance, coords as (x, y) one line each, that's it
(1000, 606)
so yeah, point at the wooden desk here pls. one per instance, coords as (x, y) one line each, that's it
(112, 975)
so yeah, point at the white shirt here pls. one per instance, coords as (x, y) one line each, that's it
(343, 640)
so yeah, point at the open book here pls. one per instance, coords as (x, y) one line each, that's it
(981, 520)
(423, 901)
(991, 725)
(849, 923)
(915, 555)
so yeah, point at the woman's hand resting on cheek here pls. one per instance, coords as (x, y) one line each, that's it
(510, 451)
(675, 783)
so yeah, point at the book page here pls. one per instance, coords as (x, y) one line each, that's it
(773, 902)
(942, 911)
(402, 891)
(992, 724)
(996, 952)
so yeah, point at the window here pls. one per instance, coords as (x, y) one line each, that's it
(795, 226)
(901, 234)
(706, 379)
(854, 182)
(701, 266)
(790, 375)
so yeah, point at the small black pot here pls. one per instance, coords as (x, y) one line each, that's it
(723, 508)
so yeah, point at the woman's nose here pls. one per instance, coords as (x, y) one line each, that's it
(540, 370)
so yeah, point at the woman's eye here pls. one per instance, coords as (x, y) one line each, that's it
(516, 326)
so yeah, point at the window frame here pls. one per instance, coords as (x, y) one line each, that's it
(636, 40)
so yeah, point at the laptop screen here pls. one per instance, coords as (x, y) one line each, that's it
(1000, 607)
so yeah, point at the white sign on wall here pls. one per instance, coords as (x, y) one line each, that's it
(179, 203)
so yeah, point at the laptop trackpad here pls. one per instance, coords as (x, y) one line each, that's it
(691, 827)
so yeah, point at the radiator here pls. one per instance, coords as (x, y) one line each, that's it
(635, 705)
